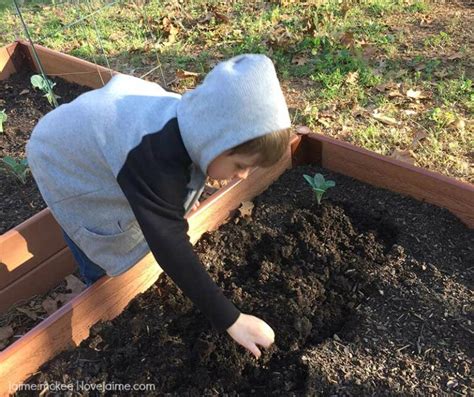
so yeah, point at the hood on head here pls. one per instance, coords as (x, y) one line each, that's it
(239, 100)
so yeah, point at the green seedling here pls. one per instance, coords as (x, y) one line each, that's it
(45, 85)
(19, 168)
(3, 118)
(319, 185)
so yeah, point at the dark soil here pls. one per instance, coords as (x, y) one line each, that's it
(24, 106)
(368, 294)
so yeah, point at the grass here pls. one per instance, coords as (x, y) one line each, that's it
(335, 60)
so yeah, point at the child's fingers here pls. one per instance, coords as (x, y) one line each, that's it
(252, 348)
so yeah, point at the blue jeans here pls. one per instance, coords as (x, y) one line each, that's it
(90, 272)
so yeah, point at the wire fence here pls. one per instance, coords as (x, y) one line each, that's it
(87, 26)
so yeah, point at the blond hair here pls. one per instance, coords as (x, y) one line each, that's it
(270, 147)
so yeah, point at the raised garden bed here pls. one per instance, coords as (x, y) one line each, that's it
(363, 295)
(36, 251)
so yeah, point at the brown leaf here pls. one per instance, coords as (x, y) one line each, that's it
(352, 77)
(49, 305)
(74, 284)
(394, 93)
(246, 208)
(28, 312)
(345, 7)
(61, 299)
(384, 118)
(419, 136)
(460, 124)
(414, 94)
(347, 39)
(205, 18)
(221, 17)
(369, 51)
(403, 155)
(358, 111)
(184, 74)
(5, 333)
(300, 60)
(456, 55)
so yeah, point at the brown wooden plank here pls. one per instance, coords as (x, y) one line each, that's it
(7, 64)
(69, 325)
(28, 245)
(68, 67)
(41, 279)
(388, 173)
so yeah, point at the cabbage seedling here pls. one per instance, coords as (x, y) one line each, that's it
(45, 85)
(3, 118)
(319, 185)
(18, 168)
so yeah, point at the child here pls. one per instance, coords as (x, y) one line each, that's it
(120, 166)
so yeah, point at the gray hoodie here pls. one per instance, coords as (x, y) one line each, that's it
(121, 165)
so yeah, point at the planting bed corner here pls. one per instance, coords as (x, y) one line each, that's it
(34, 252)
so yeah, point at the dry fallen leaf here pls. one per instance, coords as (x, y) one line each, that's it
(384, 118)
(419, 136)
(5, 332)
(352, 77)
(303, 130)
(74, 284)
(28, 312)
(25, 91)
(414, 94)
(49, 305)
(184, 74)
(221, 17)
(409, 112)
(456, 55)
(300, 60)
(460, 124)
(403, 155)
(246, 208)
(347, 39)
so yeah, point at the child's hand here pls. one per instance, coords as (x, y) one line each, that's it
(196, 206)
(249, 331)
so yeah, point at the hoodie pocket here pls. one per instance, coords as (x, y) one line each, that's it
(105, 248)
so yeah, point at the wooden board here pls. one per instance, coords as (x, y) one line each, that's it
(28, 245)
(394, 175)
(68, 67)
(41, 279)
(8, 56)
(69, 325)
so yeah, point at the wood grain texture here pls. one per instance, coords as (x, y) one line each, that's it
(69, 325)
(7, 63)
(394, 175)
(28, 245)
(39, 280)
(68, 67)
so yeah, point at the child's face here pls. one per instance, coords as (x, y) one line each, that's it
(228, 166)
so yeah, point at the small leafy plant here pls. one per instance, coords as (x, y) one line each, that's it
(19, 168)
(319, 185)
(3, 118)
(45, 85)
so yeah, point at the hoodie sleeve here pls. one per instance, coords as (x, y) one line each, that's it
(153, 179)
